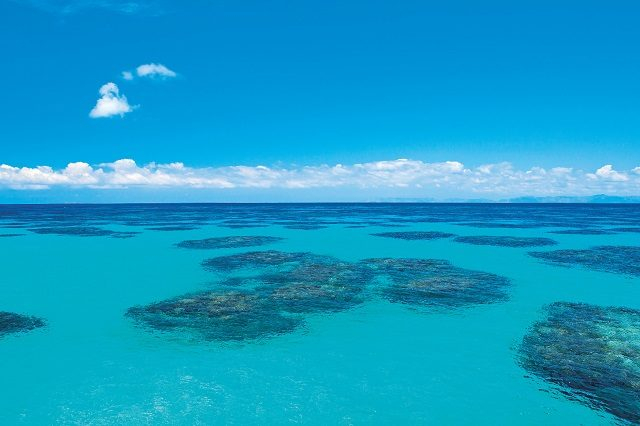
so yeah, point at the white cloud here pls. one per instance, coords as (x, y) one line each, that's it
(449, 178)
(608, 173)
(154, 70)
(110, 103)
(127, 75)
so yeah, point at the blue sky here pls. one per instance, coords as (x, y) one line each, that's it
(288, 84)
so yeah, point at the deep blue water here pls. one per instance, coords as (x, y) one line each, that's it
(320, 314)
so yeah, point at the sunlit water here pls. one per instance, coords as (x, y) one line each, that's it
(375, 363)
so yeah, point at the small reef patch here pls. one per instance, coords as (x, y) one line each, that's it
(252, 260)
(415, 235)
(172, 228)
(591, 353)
(615, 259)
(83, 231)
(228, 242)
(16, 323)
(583, 232)
(505, 241)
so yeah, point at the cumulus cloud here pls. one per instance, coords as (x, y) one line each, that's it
(110, 103)
(608, 173)
(154, 70)
(452, 178)
(127, 75)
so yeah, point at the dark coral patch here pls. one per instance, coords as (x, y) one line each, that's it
(15, 323)
(591, 353)
(228, 242)
(615, 259)
(415, 235)
(11, 235)
(505, 241)
(172, 228)
(437, 283)
(305, 227)
(521, 225)
(583, 232)
(297, 282)
(216, 316)
(83, 231)
(317, 284)
(253, 259)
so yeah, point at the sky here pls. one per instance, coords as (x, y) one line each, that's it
(158, 100)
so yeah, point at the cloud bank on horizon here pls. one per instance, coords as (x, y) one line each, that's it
(491, 180)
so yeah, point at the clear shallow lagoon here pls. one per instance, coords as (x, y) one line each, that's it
(373, 363)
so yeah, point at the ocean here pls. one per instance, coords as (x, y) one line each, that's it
(320, 314)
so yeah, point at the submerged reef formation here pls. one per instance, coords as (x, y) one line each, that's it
(228, 242)
(591, 353)
(505, 241)
(436, 283)
(214, 315)
(266, 293)
(415, 235)
(11, 235)
(268, 303)
(83, 231)
(16, 323)
(615, 259)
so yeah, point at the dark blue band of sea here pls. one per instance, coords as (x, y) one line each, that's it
(591, 353)
(91, 219)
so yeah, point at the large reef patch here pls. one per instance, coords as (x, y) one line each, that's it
(591, 353)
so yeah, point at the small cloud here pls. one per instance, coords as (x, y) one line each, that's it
(127, 75)
(607, 172)
(155, 70)
(111, 103)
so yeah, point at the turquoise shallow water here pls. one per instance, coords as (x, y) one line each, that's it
(375, 363)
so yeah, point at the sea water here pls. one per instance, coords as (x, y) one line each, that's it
(376, 362)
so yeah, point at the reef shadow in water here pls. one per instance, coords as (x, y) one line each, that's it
(16, 323)
(505, 241)
(615, 259)
(415, 235)
(591, 353)
(228, 242)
